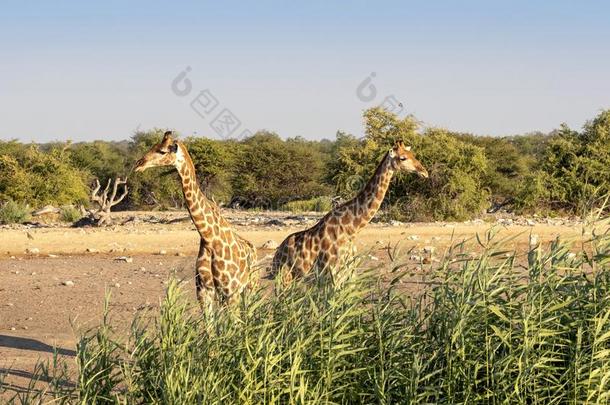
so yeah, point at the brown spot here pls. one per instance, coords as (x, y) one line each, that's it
(346, 219)
(325, 244)
(227, 252)
(217, 245)
(234, 285)
(333, 221)
(224, 278)
(332, 233)
(216, 229)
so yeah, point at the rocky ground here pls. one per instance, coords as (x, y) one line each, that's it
(54, 278)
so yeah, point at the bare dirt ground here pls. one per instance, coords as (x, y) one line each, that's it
(53, 280)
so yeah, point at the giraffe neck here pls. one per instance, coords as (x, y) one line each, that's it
(363, 207)
(204, 213)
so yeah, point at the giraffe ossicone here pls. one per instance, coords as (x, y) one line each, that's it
(324, 246)
(225, 263)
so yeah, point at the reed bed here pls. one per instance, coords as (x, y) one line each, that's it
(490, 328)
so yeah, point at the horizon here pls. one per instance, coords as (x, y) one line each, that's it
(86, 72)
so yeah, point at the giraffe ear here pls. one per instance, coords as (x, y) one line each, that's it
(167, 135)
(173, 147)
(408, 148)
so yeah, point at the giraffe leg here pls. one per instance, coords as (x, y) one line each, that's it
(331, 265)
(204, 281)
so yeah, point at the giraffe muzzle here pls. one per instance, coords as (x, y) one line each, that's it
(139, 167)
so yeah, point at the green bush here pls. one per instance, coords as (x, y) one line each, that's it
(39, 177)
(457, 169)
(12, 212)
(486, 329)
(318, 204)
(269, 171)
(70, 214)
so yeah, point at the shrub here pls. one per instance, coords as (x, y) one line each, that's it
(272, 171)
(70, 214)
(12, 212)
(42, 177)
(318, 204)
(457, 169)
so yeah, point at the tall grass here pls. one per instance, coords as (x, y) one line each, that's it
(498, 328)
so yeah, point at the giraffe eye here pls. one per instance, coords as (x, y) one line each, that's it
(403, 158)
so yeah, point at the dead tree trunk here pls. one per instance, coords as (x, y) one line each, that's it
(104, 202)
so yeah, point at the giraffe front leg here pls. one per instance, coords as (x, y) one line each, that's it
(204, 281)
(336, 264)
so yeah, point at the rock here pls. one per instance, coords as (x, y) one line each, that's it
(47, 209)
(270, 244)
(571, 255)
(125, 259)
(375, 258)
(426, 260)
(429, 249)
(530, 222)
(162, 252)
(275, 222)
(533, 240)
(436, 238)
(9, 304)
(117, 285)
(413, 237)
(415, 258)
(68, 283)
(52, 256)
(32, 251)
(394, 222)
(180, 254)
(92, 250)
(13, 328)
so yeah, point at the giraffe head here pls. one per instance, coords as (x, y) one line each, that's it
(404, 159)
(165, 153)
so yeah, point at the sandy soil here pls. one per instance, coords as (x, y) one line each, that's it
(38, 312)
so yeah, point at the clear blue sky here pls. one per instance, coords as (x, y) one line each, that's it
(74, 70)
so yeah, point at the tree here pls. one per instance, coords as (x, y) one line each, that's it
(454, 189)
(270, 172)
(38, 178)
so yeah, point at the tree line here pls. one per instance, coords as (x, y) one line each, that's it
(563, 172)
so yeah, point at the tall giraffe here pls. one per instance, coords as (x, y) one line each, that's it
(325, 245)
(225, 262)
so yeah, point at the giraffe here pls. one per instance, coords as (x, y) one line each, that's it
(325, 245)
(225, 261)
